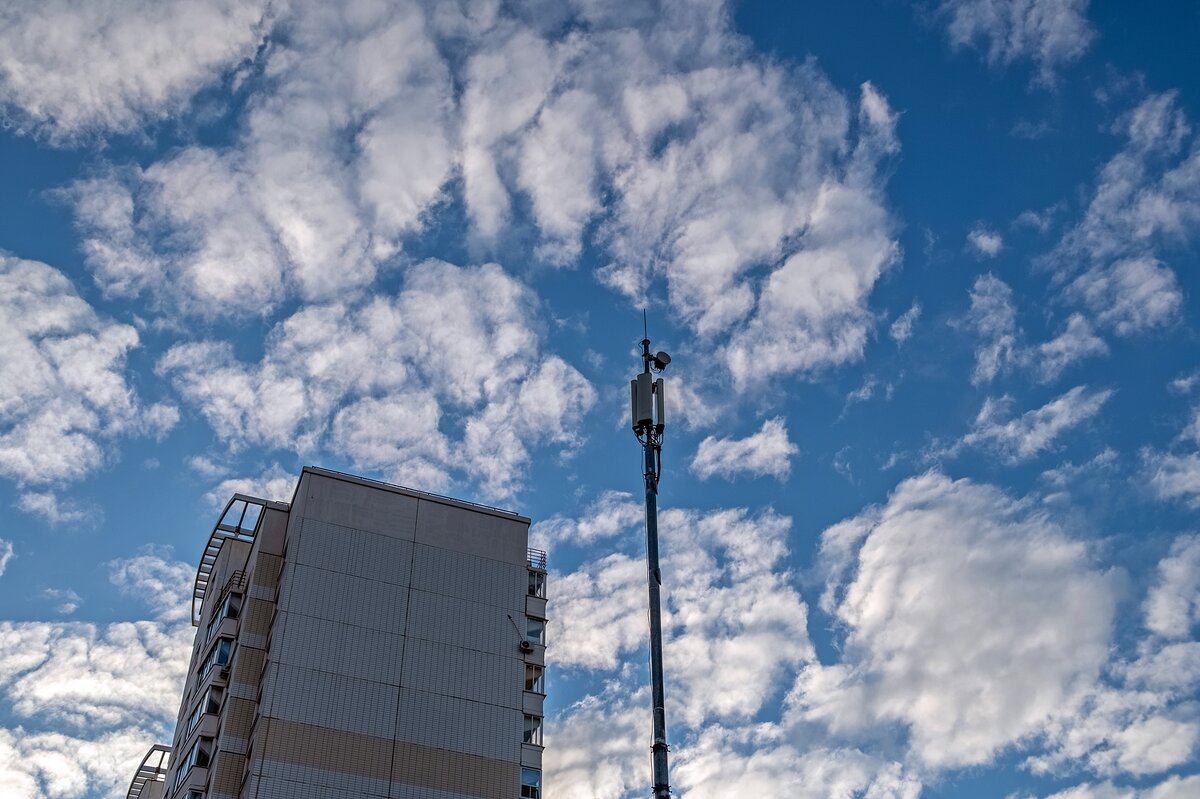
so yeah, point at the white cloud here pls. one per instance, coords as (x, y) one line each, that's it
(344, 150)
(752, 762)
(994, 318)
(751, 188)
(902, 329)
(1021, 438)
(735, 632)
(90, 698)
(91, 677)
(727, 599)
(1172, 788)
(1002, 347)
(933, 589)
(611, 513)
(1146, 200)
(46, 505)
(1076, 342)
(54, 765)
(986, 242)
(385, 381)
(72, 68)
(1132, 295)
(1049, 32)
(1185, 383)
(164, 585)
(274, 483)
(767, 452)
(63, 389)
(6, 554)
(67, 601)
(1173, 606)
(1174, 477)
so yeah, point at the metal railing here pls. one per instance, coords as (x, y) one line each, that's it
(536, 559)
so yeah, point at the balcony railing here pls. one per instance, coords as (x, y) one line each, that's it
(537, 559)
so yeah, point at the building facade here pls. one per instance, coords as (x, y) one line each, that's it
(366, 640)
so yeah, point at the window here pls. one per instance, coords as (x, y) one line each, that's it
(535, 679)
(229, 609)
(537, 584)
(196, 756)
(219, 655)
(531, 783)
(536, 631)
(533, 730)
(194, 795)
(211, 703)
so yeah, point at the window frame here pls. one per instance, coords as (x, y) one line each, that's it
(540, 637)
(538, 684)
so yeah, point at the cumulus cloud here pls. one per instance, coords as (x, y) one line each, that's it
(63, 388)
(902, 328)
(46, 505)
(274, 483)
(300, 205)
(1002, 344)
(728, 599)
(753, 190)
(105, 691)
(933, 589)
(985, 242)
(1051, 33)
(1146, 201)
(1173, 476)
(1143, 719)
(1171, 788)
(88, 676)
(73, 68)
(1173, 606)
(385, 382)
(55, 765)
(1021, 438)
(164, 585)
(606, 516)
(1076, 342)
(993, 316)
(767, 452)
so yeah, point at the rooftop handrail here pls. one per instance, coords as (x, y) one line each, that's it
(536, 559)
(147, 773)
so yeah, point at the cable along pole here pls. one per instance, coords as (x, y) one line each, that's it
(648, 407)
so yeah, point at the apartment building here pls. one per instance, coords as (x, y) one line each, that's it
(365, 640)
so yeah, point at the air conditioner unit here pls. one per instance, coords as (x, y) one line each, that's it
(526, 647)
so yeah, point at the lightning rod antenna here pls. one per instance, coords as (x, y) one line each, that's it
(648, 410)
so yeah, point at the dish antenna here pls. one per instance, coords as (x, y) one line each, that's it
(648, 409)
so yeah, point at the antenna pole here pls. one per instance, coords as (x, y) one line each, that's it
(649, 434)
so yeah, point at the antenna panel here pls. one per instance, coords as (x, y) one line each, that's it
(660, 406)
(643, 400)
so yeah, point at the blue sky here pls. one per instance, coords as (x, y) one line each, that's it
(926, 271)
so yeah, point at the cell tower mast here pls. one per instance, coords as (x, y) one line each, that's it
(648, 407)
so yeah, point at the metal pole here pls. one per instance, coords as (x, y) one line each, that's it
(652, 447)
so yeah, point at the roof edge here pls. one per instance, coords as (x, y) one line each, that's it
(415, 493)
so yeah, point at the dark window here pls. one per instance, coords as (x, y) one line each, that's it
(531, 783)
(533, 729)
(535, 679)
(536, 631)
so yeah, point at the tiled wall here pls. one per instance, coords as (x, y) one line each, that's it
(394, 668)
